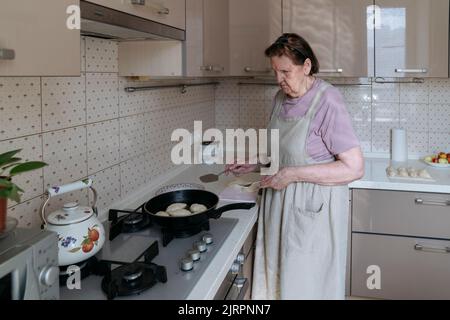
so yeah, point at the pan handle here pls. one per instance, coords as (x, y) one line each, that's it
(217, 213)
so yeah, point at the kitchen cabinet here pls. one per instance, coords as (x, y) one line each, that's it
(35, 39)
(207, 38)
(400, 245)
(411, 38)
(254, 26)
(168, 12)
(338, 31)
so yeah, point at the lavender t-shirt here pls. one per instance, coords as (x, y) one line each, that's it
(331, 131)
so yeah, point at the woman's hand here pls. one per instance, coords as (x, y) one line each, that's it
(279, 181)
(240, 169)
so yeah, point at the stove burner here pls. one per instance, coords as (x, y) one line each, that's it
(133, 219)
(134, 278)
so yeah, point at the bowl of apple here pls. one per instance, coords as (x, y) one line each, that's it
(441, 160)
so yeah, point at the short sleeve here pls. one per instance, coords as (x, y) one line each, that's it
(336, 128)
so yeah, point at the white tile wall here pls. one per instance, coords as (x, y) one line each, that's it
(89, 126)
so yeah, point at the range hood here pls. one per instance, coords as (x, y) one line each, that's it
(108, 23)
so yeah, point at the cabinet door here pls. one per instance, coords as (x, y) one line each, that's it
(169, 12)
(254, 25)
(389, 267)
(215, 38)
(40, 39)
(411, 38)
(339, 31)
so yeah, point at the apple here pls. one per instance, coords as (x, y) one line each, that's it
(443, 161)
(442, 156)
(428, 159)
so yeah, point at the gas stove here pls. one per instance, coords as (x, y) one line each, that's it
(144, 262)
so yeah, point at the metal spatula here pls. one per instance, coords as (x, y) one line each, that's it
(208, 178)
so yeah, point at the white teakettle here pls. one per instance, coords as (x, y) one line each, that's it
(80, 233)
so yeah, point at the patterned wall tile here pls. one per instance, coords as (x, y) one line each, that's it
(228, 89)
(20, 107)
(83, 54)
(439, 91)
(228, 113)
(31, 182)
(132, 137)
(102, 145)
(79, 196)
(101, 55)
(385, 115)
(381, 140)
(386, 92)
(65, 152)
(252, 114)
(156, 131)
(252, 92)
(27, 213)
(356, 94)
(364, 135)
(414, 117)
(439, 118)
(131, 103)
(107, 184)
(414, 93)
(271, 92)
(418, 142)
(102, 97)
(63, 102)
(133, 174)
(439, 142)
(361, 114)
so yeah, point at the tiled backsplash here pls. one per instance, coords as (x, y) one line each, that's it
(422, 109)
(89, 126)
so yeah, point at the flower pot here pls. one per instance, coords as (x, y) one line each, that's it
(3, 211)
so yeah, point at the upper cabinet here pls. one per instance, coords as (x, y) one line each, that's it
(411, 38)
(254, 25)
(339, 31)
(35, 39)
(207, 38)
(169, 12)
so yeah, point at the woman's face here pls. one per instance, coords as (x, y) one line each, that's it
(291, 77)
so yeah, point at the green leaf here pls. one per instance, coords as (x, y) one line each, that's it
(14, 194)
(4, 193)
(5, 183)
(75, 250)
(5, 157)
(10, 163)
(24, 167)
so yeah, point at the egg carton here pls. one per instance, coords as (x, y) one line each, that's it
(408, 173)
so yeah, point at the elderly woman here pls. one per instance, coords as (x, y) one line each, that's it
(301, 244)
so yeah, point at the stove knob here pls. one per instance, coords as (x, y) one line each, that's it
(235, 268)
(200, 246)
(240, 258)
(194, 254)
(208, 238)
(187, 264)
(49, 275)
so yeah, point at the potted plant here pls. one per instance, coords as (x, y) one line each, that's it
(11, 166)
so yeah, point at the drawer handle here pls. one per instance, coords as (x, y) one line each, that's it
(338, 70)
(411, 70)
(251, 70)
(420, 201)
(419, 247)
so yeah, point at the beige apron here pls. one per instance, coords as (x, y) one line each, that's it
(301, 244)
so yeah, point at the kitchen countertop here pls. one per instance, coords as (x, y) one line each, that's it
(375, 178)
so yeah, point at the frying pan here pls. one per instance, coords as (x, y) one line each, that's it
(189, 197)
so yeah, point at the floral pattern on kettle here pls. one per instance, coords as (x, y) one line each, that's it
(90, 240)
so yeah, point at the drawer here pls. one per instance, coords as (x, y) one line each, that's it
(401, 213)
(405, 271)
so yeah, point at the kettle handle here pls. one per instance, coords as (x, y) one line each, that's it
(60, 190)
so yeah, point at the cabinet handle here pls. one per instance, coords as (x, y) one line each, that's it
(444, 203)
(244, 284)
(160, 9)
(7, 54)
(250, 70)
(212, 68)
(338, 70)
(411, 70)
(419, 247)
